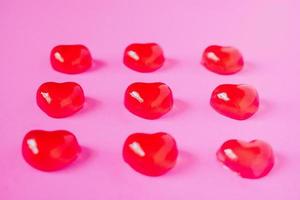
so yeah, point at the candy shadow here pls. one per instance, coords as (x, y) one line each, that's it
(249, 67)
(186, 162)
(90, 105)
(97, 65)
(169, 64)
(179, 107)
(265, 107)
(280, 162)
(84, 156)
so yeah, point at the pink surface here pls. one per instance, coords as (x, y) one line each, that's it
(267, 32)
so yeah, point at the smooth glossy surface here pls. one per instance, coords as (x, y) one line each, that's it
(146, 57)
(222, 60)
(268, 33)
(150, 154)
(71, 59)
(252, 159)
(235, 101)
(148, 100)
(60, 99)
(50, 150)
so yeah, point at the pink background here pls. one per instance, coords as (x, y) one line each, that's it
(266, 31)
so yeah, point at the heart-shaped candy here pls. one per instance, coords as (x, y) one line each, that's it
(60, 99)
(222, 60)
(148, 100)
(150, 154)
(251, 160)
(50, 150)
(146, 57)
(71, 59)
(235, 101)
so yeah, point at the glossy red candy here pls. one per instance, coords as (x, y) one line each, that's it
(60, 99)
(148, 100)
(146, 57)
(150, 154)
(251, 160)
(222, 60)
(50, 150)
(235, 101)
(71, 59)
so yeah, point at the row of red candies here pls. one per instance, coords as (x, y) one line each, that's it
(149, 154)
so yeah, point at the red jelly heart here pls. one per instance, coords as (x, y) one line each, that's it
(222, 60)
(50, 150)
(60, 99)
(150, 154)
(235, 101)
(144, 57)
(71, 59)
(252, 159)
(148, 100)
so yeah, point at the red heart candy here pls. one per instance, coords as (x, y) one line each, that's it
(222, 60)
(60, 99)
(71, 59)
(150, 154)
(235, 101)
(50, 150)
(148, 100)
(252, 159)
(146, 57)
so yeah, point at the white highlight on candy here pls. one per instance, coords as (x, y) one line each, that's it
(213, 56)
(46, 96)
(137, 96)
(137, 149)
(230, 154)
(133, 55)
(223, 96)
(59, 57)
(33, 146)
